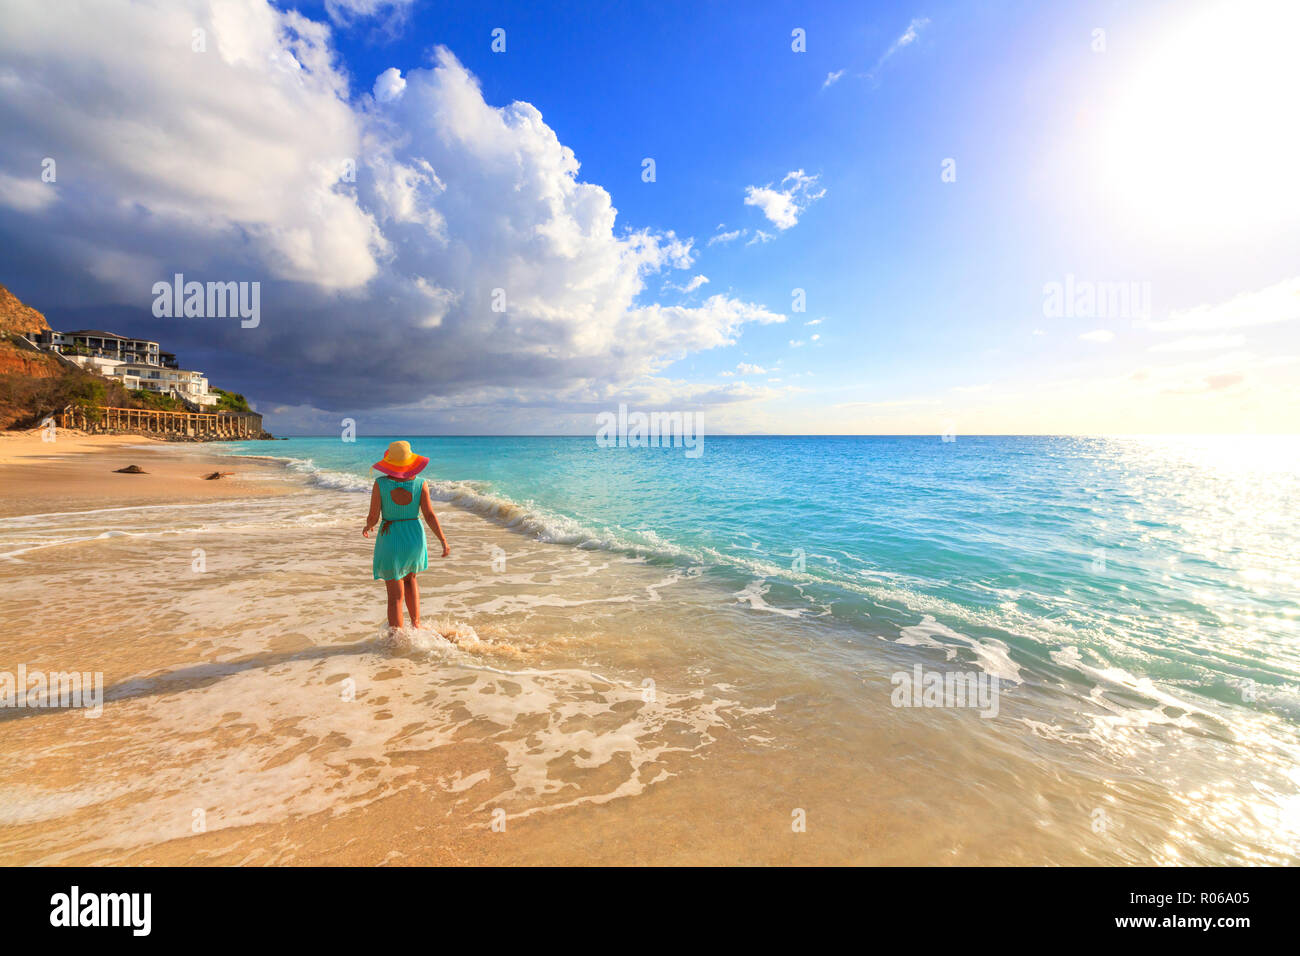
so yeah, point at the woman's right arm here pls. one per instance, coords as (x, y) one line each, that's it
(372, 519)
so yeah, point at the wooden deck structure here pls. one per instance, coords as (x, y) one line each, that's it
(212, 426)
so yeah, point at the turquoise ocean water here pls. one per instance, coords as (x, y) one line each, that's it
(1174, 560)
(1159, 573)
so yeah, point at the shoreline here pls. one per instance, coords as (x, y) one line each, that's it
(222, 688)
(598, 707)
(79, 470)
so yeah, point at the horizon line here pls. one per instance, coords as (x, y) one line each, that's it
(957, 435)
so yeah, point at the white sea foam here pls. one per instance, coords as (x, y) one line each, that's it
(992, 655)
(448, 694)
(897, 592)
(1117, 678)
(443, 637)
(754, 595)
(891, 591)
(33, 518)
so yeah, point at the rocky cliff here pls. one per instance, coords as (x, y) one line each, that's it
(17, 317)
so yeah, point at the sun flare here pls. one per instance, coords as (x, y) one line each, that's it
(1203, 136)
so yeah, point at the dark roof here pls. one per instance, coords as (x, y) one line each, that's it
(97, 333)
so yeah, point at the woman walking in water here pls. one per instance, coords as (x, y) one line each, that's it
(399, 498)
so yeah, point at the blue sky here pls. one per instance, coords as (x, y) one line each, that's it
(1142, 145)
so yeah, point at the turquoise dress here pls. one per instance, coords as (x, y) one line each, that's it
(400, 548)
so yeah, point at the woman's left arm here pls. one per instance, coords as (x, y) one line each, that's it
(426, 509)
(372, 519)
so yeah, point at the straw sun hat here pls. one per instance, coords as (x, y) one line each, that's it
(400, 462)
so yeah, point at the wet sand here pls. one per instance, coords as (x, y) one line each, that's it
(561, 705)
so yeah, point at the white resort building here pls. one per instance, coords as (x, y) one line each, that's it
(136, 363)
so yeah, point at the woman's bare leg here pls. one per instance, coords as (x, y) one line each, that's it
(394, 602)
(412, 598)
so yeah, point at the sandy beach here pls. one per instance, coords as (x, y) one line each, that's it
(79, 471)
(124, 788)
(864, 435)
(254, 713)
(560, 705)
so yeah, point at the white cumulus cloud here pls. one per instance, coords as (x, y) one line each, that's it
(242, 145)
(784, 204)
(1279, 302)
(420, 245)
(389, 85)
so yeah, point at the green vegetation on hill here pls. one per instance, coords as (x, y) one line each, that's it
(229, 401)
(34, 385)
(26, 399)
(163, 403)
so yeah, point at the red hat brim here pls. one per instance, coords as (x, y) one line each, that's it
(402, 474)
